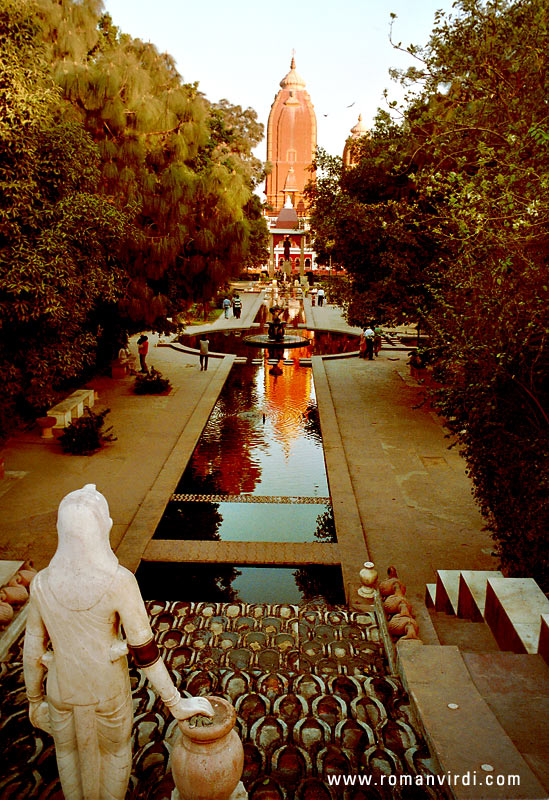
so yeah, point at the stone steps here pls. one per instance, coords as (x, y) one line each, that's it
(513, 611)
(463, 733)
(513, 608)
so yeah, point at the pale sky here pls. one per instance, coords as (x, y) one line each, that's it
(241, 50)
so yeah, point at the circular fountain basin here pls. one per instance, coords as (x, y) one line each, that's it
(262, 340)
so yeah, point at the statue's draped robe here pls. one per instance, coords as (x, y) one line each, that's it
(88, 693)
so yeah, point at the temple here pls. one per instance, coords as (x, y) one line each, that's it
(357, 132)
(291, 147)
(291, 144)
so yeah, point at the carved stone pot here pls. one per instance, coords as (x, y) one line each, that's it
(207, 761)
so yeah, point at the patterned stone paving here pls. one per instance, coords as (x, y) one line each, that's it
(311, 692)
(246, 498)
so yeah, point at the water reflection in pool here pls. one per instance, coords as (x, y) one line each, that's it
(223, 583)
(263, 437)
(257, 474)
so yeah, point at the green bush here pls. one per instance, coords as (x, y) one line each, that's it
(86, 435)
(151, 382)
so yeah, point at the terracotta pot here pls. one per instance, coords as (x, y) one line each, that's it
(392, 586)
(397, 625)
(14, 595)
(46, 424)
(396, 604)
(6, 613)
(207, 761)
(22, 578)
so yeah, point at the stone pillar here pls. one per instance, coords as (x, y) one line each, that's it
(272, 259)
(302, 258)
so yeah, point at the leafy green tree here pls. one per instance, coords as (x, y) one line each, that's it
(182, 166)
(58, 239)
(445, 215)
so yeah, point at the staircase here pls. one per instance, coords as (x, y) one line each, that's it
(501, 627)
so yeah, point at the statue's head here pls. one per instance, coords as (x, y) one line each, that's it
(84, 563)
(84, 514)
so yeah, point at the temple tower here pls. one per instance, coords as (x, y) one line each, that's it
(357, 132)
(291, 144)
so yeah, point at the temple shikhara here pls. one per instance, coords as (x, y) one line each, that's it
(291, 143)
(291, 147)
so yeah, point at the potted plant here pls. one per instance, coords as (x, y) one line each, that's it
(85, 435)
(151, 382)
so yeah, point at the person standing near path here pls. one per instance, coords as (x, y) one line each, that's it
(226, 306)
(320, 296)
(377, 340)
(143, 349)
(362, 344)
(204, 347)
(237, 306)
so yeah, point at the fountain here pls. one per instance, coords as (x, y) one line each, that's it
(276, 334)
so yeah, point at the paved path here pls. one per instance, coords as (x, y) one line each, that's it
(412, 494)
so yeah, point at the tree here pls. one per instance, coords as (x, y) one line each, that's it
(447, 213)
(58, 239)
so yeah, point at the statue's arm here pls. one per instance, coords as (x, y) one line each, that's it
(34, 647)
(146, 655)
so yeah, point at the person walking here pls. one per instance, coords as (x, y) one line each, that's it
(226, 307)
(369, 337)
(143, 349)
(320, 296)
(377, 340)
(362, 344)
(237, 306)
(204, 348)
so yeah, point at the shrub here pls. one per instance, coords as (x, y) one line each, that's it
(151, 382)
(86, 435)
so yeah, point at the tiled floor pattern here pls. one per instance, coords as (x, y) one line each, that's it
(241, 553)
(311, 694)
(246, 498)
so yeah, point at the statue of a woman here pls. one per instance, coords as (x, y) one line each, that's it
(78, 605)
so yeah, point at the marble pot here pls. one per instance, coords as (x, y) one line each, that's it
(368, 579)
(207, 761)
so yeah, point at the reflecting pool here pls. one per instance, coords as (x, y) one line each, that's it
(227, 582)
(257, 474)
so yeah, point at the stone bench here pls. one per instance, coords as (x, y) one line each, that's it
(71, 407)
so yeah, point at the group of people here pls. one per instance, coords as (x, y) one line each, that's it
(236, 305)
(370, 341)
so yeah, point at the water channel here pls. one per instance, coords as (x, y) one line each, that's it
(257, 474)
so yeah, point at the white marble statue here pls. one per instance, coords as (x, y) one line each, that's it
(77, 607)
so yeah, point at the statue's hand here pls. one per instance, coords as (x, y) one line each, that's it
(189, 706)
(39, 715)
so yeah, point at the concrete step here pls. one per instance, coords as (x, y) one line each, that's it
(513, 611)
(8, 569)
(430, 595)
(543, 648)
(516, 688)
(447, 591)
(462, 732)
(472, 593)
(469, 636)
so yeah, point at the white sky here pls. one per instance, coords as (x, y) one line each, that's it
(241, 50)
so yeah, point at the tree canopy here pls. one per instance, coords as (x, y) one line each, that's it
(446, 215)
(125, 193)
